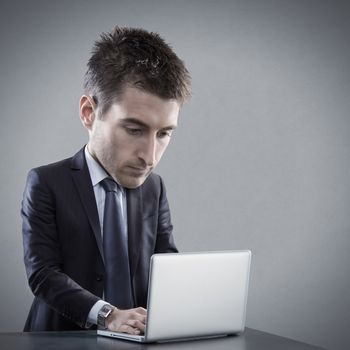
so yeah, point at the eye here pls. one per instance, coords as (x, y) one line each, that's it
(133, 131)
(164, 133)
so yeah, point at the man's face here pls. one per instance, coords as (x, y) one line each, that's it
(132, 136)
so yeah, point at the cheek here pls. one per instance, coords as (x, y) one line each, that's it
(118, 142)
(124, 148)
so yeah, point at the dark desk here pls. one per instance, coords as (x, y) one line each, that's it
(251, 339)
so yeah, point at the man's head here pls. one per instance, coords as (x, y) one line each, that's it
(135, 58)
(134, 87)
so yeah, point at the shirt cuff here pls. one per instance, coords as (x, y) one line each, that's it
(92, 317)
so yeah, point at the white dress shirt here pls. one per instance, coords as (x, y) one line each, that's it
(97, 174)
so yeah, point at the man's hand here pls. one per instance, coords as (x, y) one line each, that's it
(130, 321)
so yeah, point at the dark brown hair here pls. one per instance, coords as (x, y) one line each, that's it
(134, 57)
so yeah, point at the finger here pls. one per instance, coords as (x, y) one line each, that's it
(136, 324)
(136, 316)
(141, 311)
(128, 329)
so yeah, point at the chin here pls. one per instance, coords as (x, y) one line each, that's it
(132, 183)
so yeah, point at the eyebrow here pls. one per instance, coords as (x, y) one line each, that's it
(144, 125)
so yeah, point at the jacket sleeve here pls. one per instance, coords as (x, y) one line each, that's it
(165, 240)
(43, 254)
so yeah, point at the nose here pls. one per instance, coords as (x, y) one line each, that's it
(149, 150)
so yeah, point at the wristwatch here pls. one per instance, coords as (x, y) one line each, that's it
(102, 315)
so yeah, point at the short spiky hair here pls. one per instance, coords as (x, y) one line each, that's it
(135, 57)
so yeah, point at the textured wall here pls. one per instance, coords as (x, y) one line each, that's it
(260, 159)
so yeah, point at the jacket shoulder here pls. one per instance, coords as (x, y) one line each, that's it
(49, 172)
(64, 163)
(53, 169)
(56, 168)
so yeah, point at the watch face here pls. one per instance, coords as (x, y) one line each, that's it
(107, 312)
(103, 314)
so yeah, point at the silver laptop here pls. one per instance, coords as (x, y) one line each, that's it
(194, 295)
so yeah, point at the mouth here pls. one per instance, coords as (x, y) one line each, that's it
(138, 171)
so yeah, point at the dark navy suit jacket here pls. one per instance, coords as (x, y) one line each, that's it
(63, 252)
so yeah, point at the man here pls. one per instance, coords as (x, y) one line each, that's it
(92, 222)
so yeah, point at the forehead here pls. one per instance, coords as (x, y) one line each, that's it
(149, 109)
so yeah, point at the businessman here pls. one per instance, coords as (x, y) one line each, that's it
(92, 222)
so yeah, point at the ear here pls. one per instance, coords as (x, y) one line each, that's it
(87, 111)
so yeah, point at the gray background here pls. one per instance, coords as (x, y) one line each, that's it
(260, 160)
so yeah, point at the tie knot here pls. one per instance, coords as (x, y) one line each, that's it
(109, 185)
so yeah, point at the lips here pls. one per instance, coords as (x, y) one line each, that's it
(137, 168)
(136, 171)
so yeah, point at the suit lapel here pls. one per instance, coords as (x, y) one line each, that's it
(82, 180)
(134, 210)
